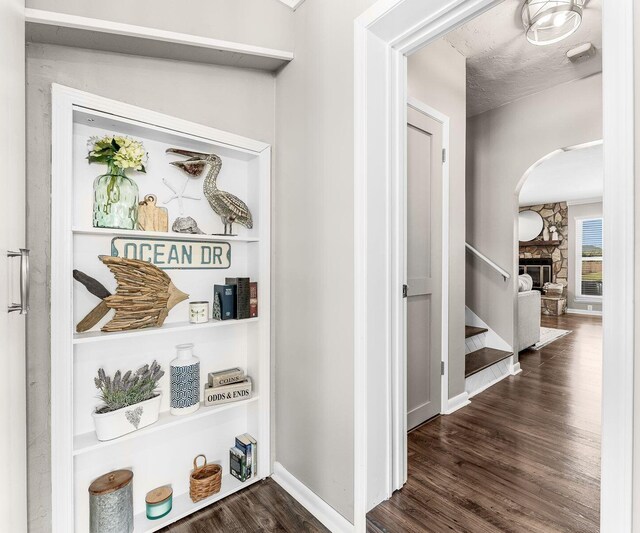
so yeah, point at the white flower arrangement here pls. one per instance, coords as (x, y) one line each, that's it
(118, 151)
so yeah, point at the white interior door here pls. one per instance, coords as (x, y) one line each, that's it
(424, 249)
(13, 507)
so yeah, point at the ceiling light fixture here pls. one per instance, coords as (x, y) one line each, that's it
(550, 21)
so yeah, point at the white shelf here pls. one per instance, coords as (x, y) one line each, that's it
(99, 336)
(96, 34)
(183, 506)
(163, 234)
(88, 442)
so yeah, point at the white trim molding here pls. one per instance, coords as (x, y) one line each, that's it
(326, 514)
(583, 312)
(618, 299)
(584, 201)
(457, 402)
(293, 4)
(383, 36)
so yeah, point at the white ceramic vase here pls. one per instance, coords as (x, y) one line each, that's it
(115, 424)
(185, 381)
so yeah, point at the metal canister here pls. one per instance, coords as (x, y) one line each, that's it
(111, 503)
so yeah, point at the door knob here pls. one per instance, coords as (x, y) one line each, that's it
(23, 306)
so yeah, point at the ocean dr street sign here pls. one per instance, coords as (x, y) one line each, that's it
(170, 253)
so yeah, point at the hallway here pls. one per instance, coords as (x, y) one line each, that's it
(524, 457)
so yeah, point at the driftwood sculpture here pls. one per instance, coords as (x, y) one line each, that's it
(99, 311)
(143, 298)
(144, 295)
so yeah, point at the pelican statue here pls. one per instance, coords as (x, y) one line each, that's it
(226, 205)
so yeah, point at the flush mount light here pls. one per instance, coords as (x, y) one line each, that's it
(550, 21)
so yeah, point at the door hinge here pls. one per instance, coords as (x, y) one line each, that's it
(442, 368)
(444, 155)
(405, 291)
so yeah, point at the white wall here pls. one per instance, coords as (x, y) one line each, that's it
(437, 77)
(579, 211)
(501, 145)
(313, 263)
(267, 23)
(240, 101)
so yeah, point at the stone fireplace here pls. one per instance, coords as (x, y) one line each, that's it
(538, 254)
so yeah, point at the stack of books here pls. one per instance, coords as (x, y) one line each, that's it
(243, 458)
(236, 299)
(226, 386)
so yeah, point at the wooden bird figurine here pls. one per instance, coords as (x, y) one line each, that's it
(226, 205)
(144, 295)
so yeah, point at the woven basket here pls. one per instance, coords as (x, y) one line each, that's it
(205, 480)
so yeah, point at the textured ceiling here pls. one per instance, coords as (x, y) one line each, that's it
(566, 176)
(502, 66)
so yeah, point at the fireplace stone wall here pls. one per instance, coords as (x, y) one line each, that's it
(552, 215)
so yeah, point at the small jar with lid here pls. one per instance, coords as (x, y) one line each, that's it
(111, 503)
(159, 502)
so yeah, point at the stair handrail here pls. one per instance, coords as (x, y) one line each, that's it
(489, 262)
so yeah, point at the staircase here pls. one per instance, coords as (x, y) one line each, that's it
(487, 356)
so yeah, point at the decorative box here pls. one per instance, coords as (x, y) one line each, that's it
(227, 393)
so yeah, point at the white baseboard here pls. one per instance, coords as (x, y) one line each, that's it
(330, 518)
(583, 312)
(457, 402)
(515, 369)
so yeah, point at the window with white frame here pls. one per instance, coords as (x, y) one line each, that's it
(589, 258)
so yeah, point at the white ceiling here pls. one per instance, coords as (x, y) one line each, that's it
(572, 176)
(502, 66)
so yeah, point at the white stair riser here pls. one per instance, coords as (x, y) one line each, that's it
(474, 343)
(489, 376)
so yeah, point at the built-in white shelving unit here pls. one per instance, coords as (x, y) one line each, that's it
(97, 34)
(163, 453)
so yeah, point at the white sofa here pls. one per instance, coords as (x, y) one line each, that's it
(528, 319)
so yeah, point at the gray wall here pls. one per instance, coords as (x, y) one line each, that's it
(239, 101)
(579, 211)
(267, 23)
(313, 263)
(437, 77)
(636, 411)
(501, 145)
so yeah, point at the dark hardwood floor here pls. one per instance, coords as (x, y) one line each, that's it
(524, 457)
(263, 507)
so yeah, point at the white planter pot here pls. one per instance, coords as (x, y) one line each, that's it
(128, 419)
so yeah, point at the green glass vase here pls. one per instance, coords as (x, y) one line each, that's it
(115, 200)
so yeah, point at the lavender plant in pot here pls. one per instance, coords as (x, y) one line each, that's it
(130, 401)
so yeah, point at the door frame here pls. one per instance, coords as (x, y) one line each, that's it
(383, 36)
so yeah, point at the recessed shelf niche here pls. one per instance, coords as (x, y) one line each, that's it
(162, 453)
